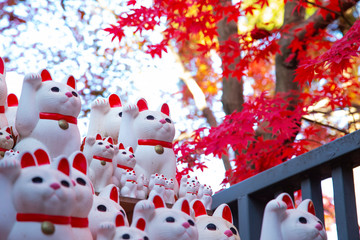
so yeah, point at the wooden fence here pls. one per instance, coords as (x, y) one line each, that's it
(335, 160)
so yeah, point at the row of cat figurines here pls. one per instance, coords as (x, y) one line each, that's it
(114, 164)
(55, 200)
(46, 118)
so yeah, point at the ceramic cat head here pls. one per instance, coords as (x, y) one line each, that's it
(58, 97)
(218, 226)
(43, 193)
(164, 223)
(283, 222)
(188, 180)
(105, 208)
(98, 146)
(44, 189)
(125, 158)
(6, 140)
(154, 124)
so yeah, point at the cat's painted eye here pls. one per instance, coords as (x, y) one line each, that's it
(170, 219)
(65, 183)
(126, 236)
(101, 208)
(37, 180)
(191, 222)
(150, 117)
(211, 227)
(302, 220)
(233, 230)
(111, 146)
(122, 212)
(81, 181)
(100, 143)
(74, 94)
(120, 114)
(124, 152)
(168, 120)
(1, 133)
(55, 89)
(146, 238)
(10, 136)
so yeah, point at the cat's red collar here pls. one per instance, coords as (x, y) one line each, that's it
(2, 109)
(132, 181)
(3, 150)
(125, 167)
(102, 158)
(34, 217)
(57, 117)
(79, 222)
(153, 142)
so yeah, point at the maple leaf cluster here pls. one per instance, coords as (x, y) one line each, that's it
(269, 130)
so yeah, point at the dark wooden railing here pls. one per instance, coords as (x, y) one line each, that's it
(335, 160)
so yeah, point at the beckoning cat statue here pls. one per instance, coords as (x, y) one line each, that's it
(150, 133)
(282, 221)
(47, 115)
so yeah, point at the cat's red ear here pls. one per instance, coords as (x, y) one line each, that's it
(98, 137)
(12, 100)
(224, 212)
(165, 109)
(110, 140)
(80, 163)
(131, 149)
(27, 160)
(45, 75)
(142, 105)
(121, 146)
(2, 66)
(42, 157)
(64, 166)
(141, 224)
(114, 101)
(71, 82)
(199, 208)
(287, 199)
(119, 221)
(8, 130)
(158, 202)
(114, 194)
(185, 207)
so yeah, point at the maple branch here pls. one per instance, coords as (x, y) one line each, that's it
(324, 125)
(323, 7)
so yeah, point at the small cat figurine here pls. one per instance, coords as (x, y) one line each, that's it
(150, 133)
(10, 169)
(157, 185)
(282, 221)
(142, 187)
(119, 230)
(218, 226)
(43, 197)
(47, 115)
(129, 184)
(205, 195)
(164, 223)
(105, 208)
(12, 106)
(123, 160)
(169, 191)
(101, 167)
(105, 117)
(6, 140)
(84, 196)
(185, 180)
(3, 94)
